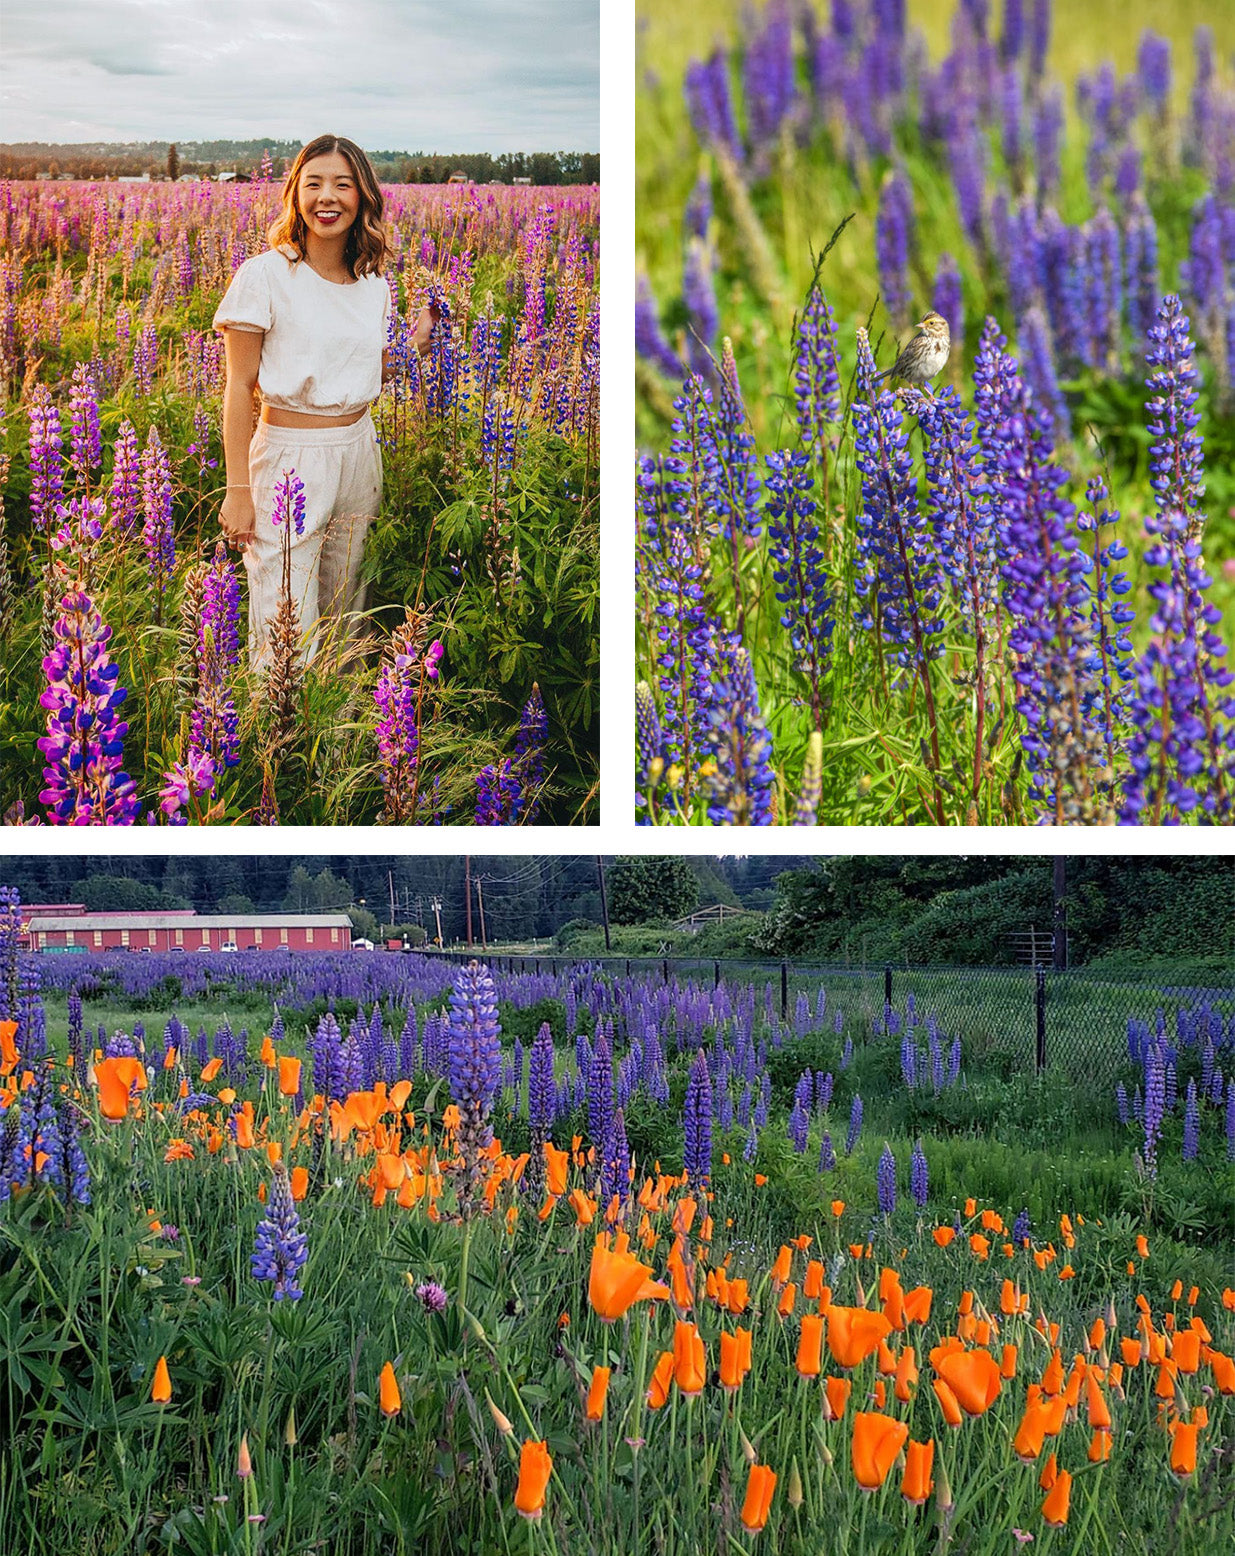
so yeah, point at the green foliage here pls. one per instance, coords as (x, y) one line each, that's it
(647, 887)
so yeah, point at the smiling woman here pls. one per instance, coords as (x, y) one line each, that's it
(306, 324)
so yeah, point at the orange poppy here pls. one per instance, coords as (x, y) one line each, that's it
(267, 1054)
(758, 1503)
(1055, 1508)
(734, 1358)
(943, 1235)
(662, 1377)
(877, 1439)
(1183, 1447)
(916, 1483)
(299, 1180)
(1099, 1446)
(289, 1076)
(388, 1389)
(838, 1208)
(690, 1365)
(948, 1402)
(615, 1281)
(115, 1079)
(210, 1070)
(1007, 1363)
(597, 1392)
(973, 1377)
(1095, 1400)
(836, 1395)
(812, 1286)
(8, 1048)
(918, 1305)
(810, 1345)
(1186, 1350)
(535, 1467)
(854, 1333)
(779, 1272)
(906, 1375)
(161, 1388)
(788, 1299)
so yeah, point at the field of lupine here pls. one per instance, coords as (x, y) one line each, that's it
(429, 1258)
(126, 694)
(991, 603)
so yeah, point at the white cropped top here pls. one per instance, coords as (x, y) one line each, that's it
(322, 351)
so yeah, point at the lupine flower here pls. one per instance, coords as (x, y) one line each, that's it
(184, 782)
(530, 754)
(893, 238)
(798, 567)
(744, 782)
(1176, 458)
(281, 1249)
(474, 1055)
(699, 296)
(710, 105)
(126, 486)
(46, 459)
(918, 1176)
(85, 785)
(885, 1182)
(698, 1123)
(289, 501)
(650, 343)
(816, 372)
(157, 536)
(1192, 1123)
(84, 437)
(215, 725)
(855, 1125)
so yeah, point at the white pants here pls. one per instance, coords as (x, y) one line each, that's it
(341, 470)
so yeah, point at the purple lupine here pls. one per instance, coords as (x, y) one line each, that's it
(798, 1127)
(1192, 1123)
(710, 104)
(215, 724)
(76, 1167)
(1230, 1119)
(827, 1153)
(600, 1091)
(1121, 1103)
(1013, 39)
(157, 536)
(1047, 135)
(742, 788)
(1109, 616)
(530, 755)
(1153, 1109)
(697, 1123)
(400, 684)
(474, 1051)
(966, 161)
(289, 501)
(1040, 372)
(1127, 174)
(885, 1181)
(1153, 63)
(919, 1176)
(648, 748)
(1022, 1229)
(798, 568)
(85, 785)
(46, 458)
(497, 794)
(184, 782)
(855, 1124)
(1011, 110)
(1104, 301)
(909, 1062)
(281, 1249)
(893, 242)
(816, 372)
(767, 79)
(650, 343)
(699, 297)
(946, 298)
(126, 484)
(1176, 459)
(85, 439)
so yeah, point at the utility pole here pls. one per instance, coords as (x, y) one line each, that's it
(467, 894)
(390, 882)
(437, 914)
(480, 898)
(604, 901)
(1059, 958)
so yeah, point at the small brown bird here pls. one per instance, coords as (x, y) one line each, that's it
(925, 355)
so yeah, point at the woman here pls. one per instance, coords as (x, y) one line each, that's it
(306, 323)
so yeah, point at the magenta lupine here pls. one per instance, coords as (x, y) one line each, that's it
(85, 440)
(157, 536)
(46, 458)
(399, 694)
(289, 501)
(184, 782)
(126, 482)
(215, 722)
(83, 746)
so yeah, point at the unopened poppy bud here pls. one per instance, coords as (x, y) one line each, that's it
(747, 1448)
(825, 1453)
(499, 1420)
(794, 1490)
(244, 1464)
(289, 1431)
(943, 1489)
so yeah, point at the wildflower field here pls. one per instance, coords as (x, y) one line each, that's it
(1007, 598)
(361, 1254)
(126, 693)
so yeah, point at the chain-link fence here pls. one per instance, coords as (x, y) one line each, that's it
(1022, 1017)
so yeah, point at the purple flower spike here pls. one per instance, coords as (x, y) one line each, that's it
(281, 1249)
(885, 1181)
(698, 1123)
(289, 501)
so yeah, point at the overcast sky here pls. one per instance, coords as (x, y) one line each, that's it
(399, 75)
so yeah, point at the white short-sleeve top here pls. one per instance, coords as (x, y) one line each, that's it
(322, 351)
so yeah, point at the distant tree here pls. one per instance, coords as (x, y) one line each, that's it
(426, 173)
(119, 894)
(299, 895)
(643, 889)
(364, 923)
(235, 902)
(173, 163)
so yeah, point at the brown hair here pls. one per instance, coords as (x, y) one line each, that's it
(367, 244)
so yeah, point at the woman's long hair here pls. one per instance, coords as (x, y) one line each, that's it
(367, 245)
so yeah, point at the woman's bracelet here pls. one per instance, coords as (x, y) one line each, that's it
(238, 486)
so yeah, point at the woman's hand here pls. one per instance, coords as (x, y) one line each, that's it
(425, 322)
(238, 517)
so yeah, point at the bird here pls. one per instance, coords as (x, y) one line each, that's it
(925, 355)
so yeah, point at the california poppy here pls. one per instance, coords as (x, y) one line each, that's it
(916, 1483)
(1183, 1447)
(973, 1377)
(615, 1281)
(1055, 1508)
(115, 1079)
(662, 1377)
(734, 1358)
(810, 1345)
(758, 1503)
(161, 1388)
(289, 1076)
(1186, 1350)
(391, 1399)
(948, 1402)
(779, 1272)
(535, 1467)
(943, 1235)
(836, 1393)
(854, 1333)
(8, 1048)
(690, 1367)
(597, 1392)
(877, 1439)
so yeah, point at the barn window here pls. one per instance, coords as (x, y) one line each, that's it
(308, 936)
(152, 937)
(283, 936)
(68, 937)
(98, 937)
(124, 937)
(257, 937)
(180, 937)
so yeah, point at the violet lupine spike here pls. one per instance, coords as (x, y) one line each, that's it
(475, 1058)
(816, 372)
(650, 343)
(1176, 459)
(126, 482)
(280, 1249)
(699, 297)
(184, 782)
(46, 458)
(893, 242)
(85, 439)
(649, 744)
(768, 81)
(697, 1123)
(397, 732)
(798, 568)
(1192, 1123)
(530, 755)
(85, 784)
(215, 723)
(289, 501)
(919, 1176)
(497, 794)
(710, 104)
(743, 786)
(855, 1124)
(1110, 617)
(157, 536)
(885, 1182)
(947, 301)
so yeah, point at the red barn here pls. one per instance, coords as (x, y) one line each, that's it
(189, 931)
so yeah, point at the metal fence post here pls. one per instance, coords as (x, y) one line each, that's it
(716, 981)
(665, 969)
(887, 984)
(784, 991)
(1039, 1001)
